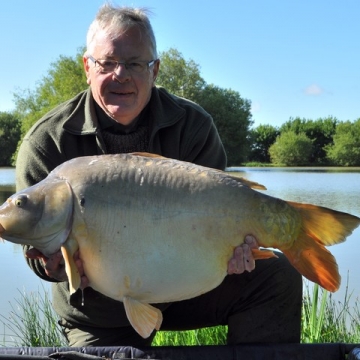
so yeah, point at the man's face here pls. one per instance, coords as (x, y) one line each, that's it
(122, 94)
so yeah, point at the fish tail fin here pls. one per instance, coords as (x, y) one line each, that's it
(315, 262)
(327, 226)
(320, 227)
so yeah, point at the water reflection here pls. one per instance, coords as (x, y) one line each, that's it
(7, 183)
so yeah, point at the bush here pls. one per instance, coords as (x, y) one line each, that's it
(345, 151)
(291, 149)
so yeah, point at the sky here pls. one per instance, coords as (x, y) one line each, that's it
(289, 58)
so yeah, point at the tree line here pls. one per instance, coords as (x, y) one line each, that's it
(301, 142)
(298, 142)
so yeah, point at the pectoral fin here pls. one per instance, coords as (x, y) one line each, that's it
(68, 250)
(143, 317)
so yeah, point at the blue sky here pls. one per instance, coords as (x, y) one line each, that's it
(288, 57)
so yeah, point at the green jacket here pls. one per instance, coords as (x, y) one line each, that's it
(179, 129)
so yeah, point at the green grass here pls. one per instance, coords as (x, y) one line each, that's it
(206, 336)
(32, 322)
(326, 321)
(256, 164)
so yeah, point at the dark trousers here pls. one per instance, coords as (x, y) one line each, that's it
(259, 307)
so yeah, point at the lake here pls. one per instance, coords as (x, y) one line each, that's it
(336, 188)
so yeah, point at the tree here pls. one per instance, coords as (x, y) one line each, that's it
(9, 136)
(291, 149)
(230, 112)
(261, 138)
(345, 151)
(65, 79)
(179, 76)
(232, 117)
(320, 131)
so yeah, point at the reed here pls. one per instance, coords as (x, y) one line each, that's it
(325, 320)
(32, 322)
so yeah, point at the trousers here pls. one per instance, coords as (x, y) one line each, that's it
(261, 306)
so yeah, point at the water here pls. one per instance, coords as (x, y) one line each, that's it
(7, 176)
(335, 188)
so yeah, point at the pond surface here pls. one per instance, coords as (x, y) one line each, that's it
(336, 188)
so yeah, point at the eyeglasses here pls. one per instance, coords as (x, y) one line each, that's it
(108, 66)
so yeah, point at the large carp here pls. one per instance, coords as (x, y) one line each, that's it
(153, 230)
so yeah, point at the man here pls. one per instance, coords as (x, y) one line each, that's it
(123, 111)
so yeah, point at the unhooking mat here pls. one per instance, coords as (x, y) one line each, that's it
(238, 352)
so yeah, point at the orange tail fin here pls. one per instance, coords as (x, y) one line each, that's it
(320, 227)
(314, 262)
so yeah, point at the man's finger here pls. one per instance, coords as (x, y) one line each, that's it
(251, 241)
(249, 261)
(239, 260)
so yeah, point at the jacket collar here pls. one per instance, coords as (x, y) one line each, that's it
(164, 108)
(82, 120)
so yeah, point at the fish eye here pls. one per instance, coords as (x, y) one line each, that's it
(20, 201)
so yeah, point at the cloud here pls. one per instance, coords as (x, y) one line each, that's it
(314, 90)
(255, 107)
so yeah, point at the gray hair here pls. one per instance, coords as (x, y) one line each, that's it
(113, 19)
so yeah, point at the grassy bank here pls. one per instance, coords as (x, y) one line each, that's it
(33, 323)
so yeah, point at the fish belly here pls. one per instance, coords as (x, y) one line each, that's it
(155, 260)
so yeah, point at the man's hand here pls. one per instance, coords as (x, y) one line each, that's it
(243, 259)
(54, 265)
